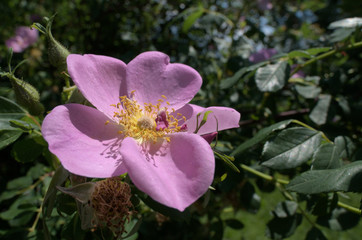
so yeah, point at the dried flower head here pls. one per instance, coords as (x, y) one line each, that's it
(111, 201)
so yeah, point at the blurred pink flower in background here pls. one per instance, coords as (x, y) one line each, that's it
(264, 5)
(262, 55)
(24, 37)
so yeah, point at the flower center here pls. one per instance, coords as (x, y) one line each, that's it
(148, 122)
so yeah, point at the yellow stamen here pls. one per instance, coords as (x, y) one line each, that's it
(139, 122)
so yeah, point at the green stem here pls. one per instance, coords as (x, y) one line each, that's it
(32, 229)
(263, 175)
(324, 55)
(34, 120)
(349, 208)
(291, 198)
(309, 127)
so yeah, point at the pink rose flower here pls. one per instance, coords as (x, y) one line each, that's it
(262, 55)
(24, 37)
(142, 124)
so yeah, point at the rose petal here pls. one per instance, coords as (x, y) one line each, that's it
(30, 35)
(16, 43)
(85, 146)
(99, 78)
(151, 75)
(226, 118)
(209, 137)
(175, 174)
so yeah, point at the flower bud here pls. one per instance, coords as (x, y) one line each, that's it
(26, 95)
(56, 51)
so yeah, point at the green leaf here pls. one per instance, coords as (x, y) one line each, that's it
(66, 204)
(23, 125)
(345, 146)
(20, 206)
(315, 51)
(272, 77)
(290, 148)
(309, 92)
(249, 199)
(320, 111)
(36, 171)
(322, 204)
(339, 220)
(327, 156)
(131, 228)
(19, 183)
(315, 234)
(280, 228)
(9, 110)
(27, 150)
(229, 82)
(341, 34)
(346, 23)
(60, 176)
(260, 136)
(234, 223)
(343, 104)
(299, 53)
(72, 229)
(203, 121)
(347, 178)
(285, 209)
(8, 194)
(8, 137)
(191, 19)
(82, 192)
(228, 160)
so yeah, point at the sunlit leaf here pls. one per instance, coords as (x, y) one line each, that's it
(320, 111)
(340, 219)
(272, 77)
(345, 146)
(299, 53)
(340, 34)
(346, 23)
(309, 91)
(290, 148)
(315, 51)
(327, 156)
(347, 178)
(285, 209)
(315, 234)
(191, 19)
(260, 136)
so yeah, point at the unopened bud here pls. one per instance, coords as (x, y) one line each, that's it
(56, 51)
(27, 96)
